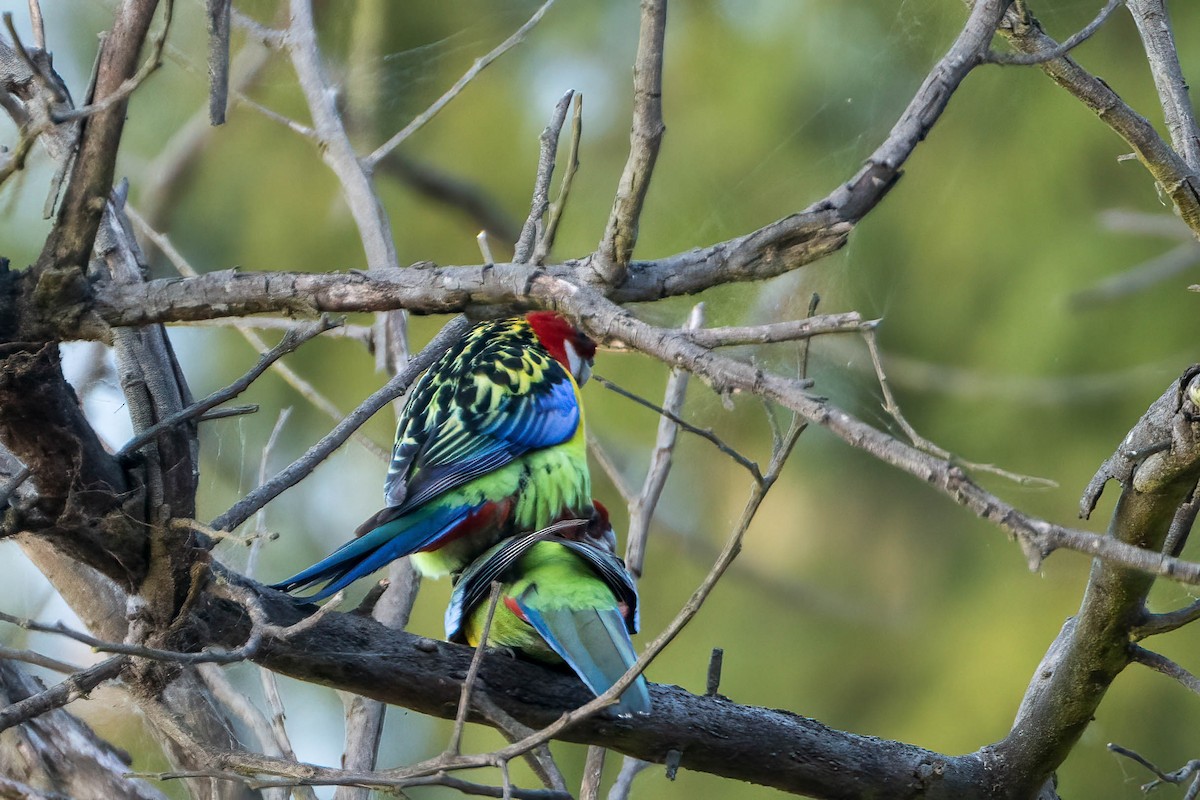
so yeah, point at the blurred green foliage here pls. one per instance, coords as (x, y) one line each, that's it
(862, 598)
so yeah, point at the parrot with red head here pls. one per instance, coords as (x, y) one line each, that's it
(490, 443)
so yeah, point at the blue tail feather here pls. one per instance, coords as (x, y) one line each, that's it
(595, 644)
(364, 555)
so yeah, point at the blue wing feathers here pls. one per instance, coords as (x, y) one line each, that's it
(362, 556)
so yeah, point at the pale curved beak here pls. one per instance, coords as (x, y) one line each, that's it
(581, 368)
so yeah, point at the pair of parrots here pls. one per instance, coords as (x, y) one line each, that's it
(489, 482)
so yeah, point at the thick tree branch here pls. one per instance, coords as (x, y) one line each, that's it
(1093, 647)
(360, 655)
(428, 289)
(770, 251)
(81, 489)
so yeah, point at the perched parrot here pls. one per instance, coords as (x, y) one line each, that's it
(564, 597)
(490, 443)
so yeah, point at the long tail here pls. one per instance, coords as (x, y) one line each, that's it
(595, 643)
(364, 555)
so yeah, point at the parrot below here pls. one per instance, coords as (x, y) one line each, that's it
(564, 597)
(490, 443)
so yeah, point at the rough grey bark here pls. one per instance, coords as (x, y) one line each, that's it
(57, 753)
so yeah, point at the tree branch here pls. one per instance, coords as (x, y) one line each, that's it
(70, 688)
(645, 136)
(1154, 24)
(360, 655)
(70, 241)
(1180, 181)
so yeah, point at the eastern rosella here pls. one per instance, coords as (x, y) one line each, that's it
(490, 443)
(564, 597)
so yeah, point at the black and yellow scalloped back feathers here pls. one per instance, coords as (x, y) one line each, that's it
(495, 395)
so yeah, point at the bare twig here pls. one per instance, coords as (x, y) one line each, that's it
(298, 128)
(38, 660)
(531, 231)
(1168, 226)
(645, 136)
(128, 87)
(259, 535)
(38, 24)
(300, 468)
(604, 459)
(641, 510)
(259, 630)
(546, 240)
(227, 412)
(1027, 59)
(485, 249)
(291, 340)
(703, 433)
(1164, 665)
(269, 37)
(713, 682)
(278, 718)
(1181, 526)
(14, 161)
(1154, 624)
(218, 655)
(74, 686)
(539, 759)
(920, 442)
(358, 333)
(13, 484)
(464, 703)
(218, 58)
(789, 331)
(1178, 776)
(1149, 273)
(480, 64)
